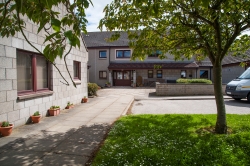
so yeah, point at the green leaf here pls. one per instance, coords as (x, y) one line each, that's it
(42, 24)
(50, 36)
(56, 24)
(68, 34)
(60, 51)
(205, 3)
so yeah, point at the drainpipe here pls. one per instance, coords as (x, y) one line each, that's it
(109, 55)
(110, 74)
(210, 73)
(196, 73)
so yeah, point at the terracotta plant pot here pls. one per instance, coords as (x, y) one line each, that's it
(84, 100)
(35, 119)
(6, 131)
(69, 106)
(54, 112)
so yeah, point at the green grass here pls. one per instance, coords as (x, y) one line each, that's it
(175, 140)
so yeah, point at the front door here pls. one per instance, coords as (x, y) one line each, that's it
(122, 78)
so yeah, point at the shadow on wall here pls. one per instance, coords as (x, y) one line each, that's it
(74, 147)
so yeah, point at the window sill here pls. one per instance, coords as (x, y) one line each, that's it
(77, 82)
(102, 58)
(33, 95)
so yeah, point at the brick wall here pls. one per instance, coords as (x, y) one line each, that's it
(18, 111)
(168, 89)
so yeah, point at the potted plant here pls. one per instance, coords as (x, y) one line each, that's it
(54, 110)
(84, 99)
(69, 105)
(6, 128)
(108, 84)
(35, 118)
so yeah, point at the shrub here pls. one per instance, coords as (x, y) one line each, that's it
(36, 113)
(5, 124)
(190, 81)
(92, 89)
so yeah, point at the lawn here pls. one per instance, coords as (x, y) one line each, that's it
(175, 140)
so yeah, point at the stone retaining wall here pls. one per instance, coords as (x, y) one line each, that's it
(169, 89)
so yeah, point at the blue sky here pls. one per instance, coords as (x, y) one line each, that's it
(94, 14)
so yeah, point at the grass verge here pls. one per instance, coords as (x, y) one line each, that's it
(175, 140)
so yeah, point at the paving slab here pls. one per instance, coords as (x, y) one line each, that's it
(56, 159)
(67, 139)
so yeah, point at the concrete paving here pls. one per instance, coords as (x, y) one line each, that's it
(67, 139)
(72, 137)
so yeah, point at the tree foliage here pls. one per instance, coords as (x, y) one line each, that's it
(61, 29)
(184, 29)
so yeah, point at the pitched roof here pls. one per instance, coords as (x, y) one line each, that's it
(229, 59)
(143, 65)
(99, 39)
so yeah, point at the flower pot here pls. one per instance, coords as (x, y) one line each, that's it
(84, 100)
(54, 112)
(69, 106)
(6, 131)
(35, 119)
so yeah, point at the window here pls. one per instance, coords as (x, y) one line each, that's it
(102, 54)
(150, 73)
(77, 70)
(183, 74)
(155, 54)
(203, 74)
(32, 72)
(102, 74)
(126, 75)
(159, 73)
(123, 54)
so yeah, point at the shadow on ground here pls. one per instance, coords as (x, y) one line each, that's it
(238, 103)
(74, 147)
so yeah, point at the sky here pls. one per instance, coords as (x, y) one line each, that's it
(95, 14)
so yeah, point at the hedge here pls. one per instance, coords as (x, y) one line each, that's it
(190, 81)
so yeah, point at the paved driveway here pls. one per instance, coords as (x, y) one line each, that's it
(146, 102)
(206, 106)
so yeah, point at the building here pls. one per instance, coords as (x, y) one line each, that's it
(28, 83)
(110, 62)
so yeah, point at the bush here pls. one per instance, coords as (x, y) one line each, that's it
(92, 88)
(5, 124)
(190, 81)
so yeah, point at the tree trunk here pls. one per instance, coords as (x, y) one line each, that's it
(221, 123)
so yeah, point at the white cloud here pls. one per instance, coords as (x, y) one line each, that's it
(95, 14)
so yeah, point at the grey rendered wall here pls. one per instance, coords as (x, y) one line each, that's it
(19, 111)
(98, 64)
(231, 72)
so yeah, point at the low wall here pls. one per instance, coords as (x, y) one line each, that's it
(172, 89)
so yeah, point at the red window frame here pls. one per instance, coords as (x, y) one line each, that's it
(77, 66)
(34, 75)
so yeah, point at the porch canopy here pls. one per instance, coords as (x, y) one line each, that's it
(151, 65)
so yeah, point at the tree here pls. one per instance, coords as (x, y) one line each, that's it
(184, 29)
(60, 29)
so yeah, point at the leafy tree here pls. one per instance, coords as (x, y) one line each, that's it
(184, 29)
(61, 29)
